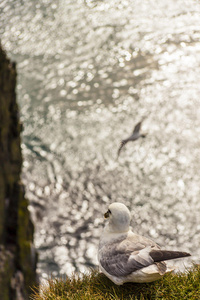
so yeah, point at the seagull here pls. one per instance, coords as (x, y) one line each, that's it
(133, 137)
(128, 257)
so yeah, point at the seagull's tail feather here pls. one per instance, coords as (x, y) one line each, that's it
(162, 267)
(161, 255)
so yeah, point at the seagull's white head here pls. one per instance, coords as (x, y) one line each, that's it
(119, 217)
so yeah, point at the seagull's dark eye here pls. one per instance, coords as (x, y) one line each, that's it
(106, 215)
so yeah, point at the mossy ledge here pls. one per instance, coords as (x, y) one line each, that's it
(95, 286)
(17, 255)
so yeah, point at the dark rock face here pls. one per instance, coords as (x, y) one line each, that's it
(17, 254)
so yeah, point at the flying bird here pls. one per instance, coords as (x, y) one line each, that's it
(128, 257)
(133, 137)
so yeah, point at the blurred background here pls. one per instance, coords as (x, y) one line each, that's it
(88, 71)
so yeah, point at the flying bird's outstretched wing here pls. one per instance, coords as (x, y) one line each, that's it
(137, 127)
(123, 142)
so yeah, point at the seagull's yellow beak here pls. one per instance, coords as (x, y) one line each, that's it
(106, 215)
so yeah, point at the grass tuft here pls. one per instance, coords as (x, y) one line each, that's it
(96, 286)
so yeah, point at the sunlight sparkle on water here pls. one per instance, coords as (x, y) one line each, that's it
(88, 71)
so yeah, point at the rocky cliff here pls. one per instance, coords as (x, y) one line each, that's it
(17, 255)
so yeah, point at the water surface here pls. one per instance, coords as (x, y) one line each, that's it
(88, 71)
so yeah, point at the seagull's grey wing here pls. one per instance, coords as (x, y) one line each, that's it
(137, 127)
(120, 261)
(123, 142)
(134, 242)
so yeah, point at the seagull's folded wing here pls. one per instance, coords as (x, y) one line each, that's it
(123, 259)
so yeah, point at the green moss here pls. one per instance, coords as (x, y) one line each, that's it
(96, 286)
(15, 151)
(24, 240)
